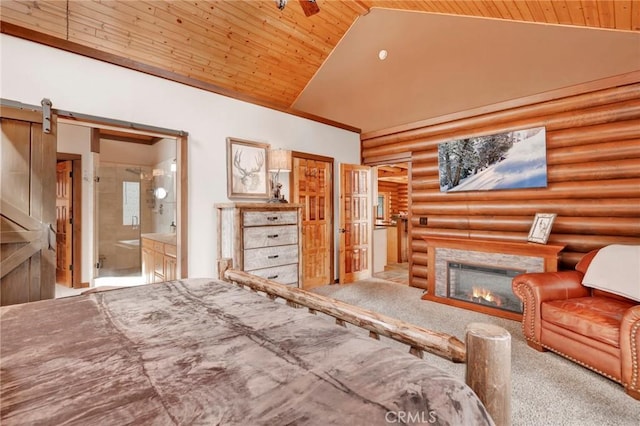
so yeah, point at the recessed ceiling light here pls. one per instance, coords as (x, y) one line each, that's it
(382, 55)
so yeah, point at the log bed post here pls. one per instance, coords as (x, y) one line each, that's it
(488, 370)
(223, 265)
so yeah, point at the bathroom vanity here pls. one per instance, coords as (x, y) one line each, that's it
(159, 261)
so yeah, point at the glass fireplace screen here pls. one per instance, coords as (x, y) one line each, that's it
(483, 285)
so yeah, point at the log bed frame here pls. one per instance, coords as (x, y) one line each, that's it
(417, 338)
(486, 342)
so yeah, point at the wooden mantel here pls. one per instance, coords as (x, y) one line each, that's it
(549, 253)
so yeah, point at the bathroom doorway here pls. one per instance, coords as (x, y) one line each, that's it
(144, 170)
(391, 251)
(136, 206)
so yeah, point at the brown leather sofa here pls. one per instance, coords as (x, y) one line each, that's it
(594, 328)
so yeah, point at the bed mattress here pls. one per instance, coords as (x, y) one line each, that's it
(202, 351)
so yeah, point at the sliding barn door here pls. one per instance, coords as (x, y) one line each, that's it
(355, 222)
(312, 187)
(27, 208)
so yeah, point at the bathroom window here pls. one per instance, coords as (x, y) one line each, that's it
(131, 203)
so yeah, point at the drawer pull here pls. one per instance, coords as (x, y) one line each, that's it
(272, 218)
(272, 277)
(273, 256)
(272, 236)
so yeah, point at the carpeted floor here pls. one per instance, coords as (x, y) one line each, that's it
(546, 388)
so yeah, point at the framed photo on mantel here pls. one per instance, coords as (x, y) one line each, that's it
(541, 228)
(247, 174)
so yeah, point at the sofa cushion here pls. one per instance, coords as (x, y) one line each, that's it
(595, 317)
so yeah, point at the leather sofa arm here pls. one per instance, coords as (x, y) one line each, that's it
(535, 288)
(630, 351)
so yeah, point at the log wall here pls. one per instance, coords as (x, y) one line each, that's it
(593, 173)
(399, 192)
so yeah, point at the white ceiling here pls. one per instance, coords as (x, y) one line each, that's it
(439, 64)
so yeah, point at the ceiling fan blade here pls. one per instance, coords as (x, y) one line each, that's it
(310, 7)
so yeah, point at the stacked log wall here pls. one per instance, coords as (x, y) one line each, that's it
(399, 192)
(593, 174)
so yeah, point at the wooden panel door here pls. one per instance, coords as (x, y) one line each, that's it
(312, 187)
(355, 223)
(27, 207)
(64, 215)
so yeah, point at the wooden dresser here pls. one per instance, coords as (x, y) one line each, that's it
(263, 239)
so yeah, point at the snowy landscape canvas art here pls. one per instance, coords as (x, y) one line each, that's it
(508, 160)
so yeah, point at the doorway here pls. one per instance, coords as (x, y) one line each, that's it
(391, 232)
(133, 179)
(68, 220)
(312, 186)
(136, 209)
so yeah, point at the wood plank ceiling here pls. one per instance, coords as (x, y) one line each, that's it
(250, 50)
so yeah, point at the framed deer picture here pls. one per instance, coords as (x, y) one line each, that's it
(247, 174)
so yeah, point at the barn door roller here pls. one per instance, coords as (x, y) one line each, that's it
(46, 115)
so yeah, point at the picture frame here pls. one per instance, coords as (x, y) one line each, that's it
(541, 228)
(247, 169)
(509, 160)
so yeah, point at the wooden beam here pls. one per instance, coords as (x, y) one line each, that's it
(361, 7)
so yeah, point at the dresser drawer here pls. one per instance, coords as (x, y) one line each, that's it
(287, 274)
(267, 236)
(267, 257)
(254, 218)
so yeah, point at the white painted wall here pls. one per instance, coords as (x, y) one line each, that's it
(31, 72)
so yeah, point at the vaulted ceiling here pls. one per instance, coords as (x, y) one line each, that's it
(253, 51)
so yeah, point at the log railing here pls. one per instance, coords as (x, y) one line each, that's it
(419, 339)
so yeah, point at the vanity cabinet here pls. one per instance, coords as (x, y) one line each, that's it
(159, 257)
(263, 239)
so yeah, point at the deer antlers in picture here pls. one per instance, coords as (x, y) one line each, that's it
(249, 178)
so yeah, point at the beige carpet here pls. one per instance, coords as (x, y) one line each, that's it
(546, 388)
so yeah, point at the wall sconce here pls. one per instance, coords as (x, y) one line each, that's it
(160, 193)
(279, 161)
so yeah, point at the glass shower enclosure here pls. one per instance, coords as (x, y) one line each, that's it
(125, 206)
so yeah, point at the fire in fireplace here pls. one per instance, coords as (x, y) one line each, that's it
(483, 285)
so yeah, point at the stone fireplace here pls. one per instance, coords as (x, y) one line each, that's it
(476, 274)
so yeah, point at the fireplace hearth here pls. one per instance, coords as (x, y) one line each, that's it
(483, 285)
